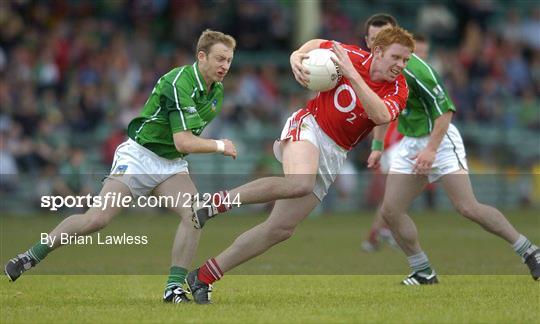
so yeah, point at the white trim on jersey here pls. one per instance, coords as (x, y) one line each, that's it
(152, 118)
(428, 67)
(359, 137)
(426, 89)
(365, 61)
(197, 76)
(428, 116)
(393, 113)
(355, 52)
(176, 99)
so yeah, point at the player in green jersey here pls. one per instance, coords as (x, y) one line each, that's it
(433, 150)
(183, 102)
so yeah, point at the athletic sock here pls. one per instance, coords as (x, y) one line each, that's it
(210, 272)
(39, 251)
(222, 201)
(420, 263)
(177, 276)
(373, 236)
(523, 246)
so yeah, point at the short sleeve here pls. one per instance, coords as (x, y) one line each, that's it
(396, 96)
(431, 90)
(177, 99)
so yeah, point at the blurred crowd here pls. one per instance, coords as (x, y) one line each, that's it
(74, 73)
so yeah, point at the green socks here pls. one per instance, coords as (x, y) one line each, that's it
(420, 263)
(177, 276)
(39, 251)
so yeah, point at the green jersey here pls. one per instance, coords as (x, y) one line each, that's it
(427, 99)
(179, 102)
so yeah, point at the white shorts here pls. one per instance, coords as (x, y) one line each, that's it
(450, 156)
(302, 126)
(387, 157)
(141, 169)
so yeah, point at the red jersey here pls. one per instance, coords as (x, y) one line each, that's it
(392, 135)
(340, 113)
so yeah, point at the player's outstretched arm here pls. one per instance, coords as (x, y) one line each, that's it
(186, 142)
(374, 158)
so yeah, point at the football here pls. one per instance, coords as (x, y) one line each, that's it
(324, 74)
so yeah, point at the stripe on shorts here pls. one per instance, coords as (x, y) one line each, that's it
(294, 133)
(455, 151)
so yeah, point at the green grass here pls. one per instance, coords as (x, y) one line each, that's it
(319, 275)
(275, 298)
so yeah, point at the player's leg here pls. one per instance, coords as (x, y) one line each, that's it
(300, 162)
(379, 233)
(279, 226)
(300, 135)
(401, 190)
(459, 189)
(286, 214)
(186, 239)
(298, 158)
(372, 244)
(94, 219)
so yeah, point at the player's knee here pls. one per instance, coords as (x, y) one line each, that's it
(95, 223)
(467, 209)
(184, 213)
(302, 188)
(280, 233)
(96, 220)
(388, 213)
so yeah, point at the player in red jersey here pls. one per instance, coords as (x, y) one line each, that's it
(313, 146)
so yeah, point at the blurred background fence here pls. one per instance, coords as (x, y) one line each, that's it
(74, 73)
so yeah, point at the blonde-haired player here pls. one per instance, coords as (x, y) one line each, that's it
(152, 161)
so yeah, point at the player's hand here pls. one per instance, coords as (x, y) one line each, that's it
(343, 61)
(300, 74)
(424, 161)
(230, 149)
(374, 159)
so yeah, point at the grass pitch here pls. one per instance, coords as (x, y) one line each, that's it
(273, 298)
(319, 275)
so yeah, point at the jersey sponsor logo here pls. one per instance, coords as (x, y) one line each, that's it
(190, 110)
(352, 103)
(439, 92)
(120, 170)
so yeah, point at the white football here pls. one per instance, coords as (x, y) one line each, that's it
(323, 72)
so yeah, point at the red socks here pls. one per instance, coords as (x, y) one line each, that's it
(210, 272)
(222, 201)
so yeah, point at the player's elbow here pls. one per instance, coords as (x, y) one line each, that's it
(185, 147)
(181, 147)
(183, 142)
(381, 118)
